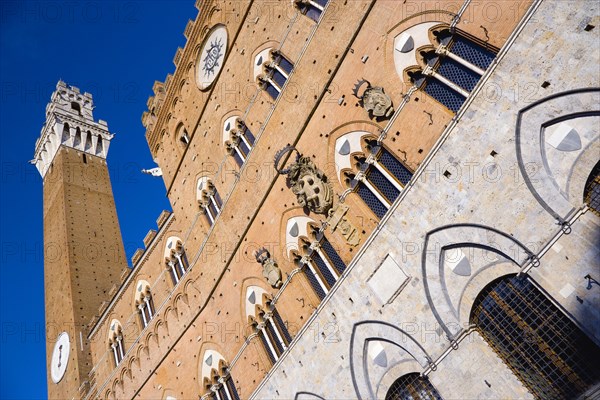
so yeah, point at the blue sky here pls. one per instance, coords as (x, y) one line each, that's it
(114, 50)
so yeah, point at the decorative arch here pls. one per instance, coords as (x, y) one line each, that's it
(215, 376)
(308, 246)
(116, 341)
(255, 298)
(558, 143)
(366, 166)
(443, 62)
(260, 56)
(175, 258)
(143, 302)
(407, 45)
(265, 320)
(208, 198)
(452, 257)
(297, 229)
(142, 288)
(238, 140)
(368, 333)
(275, 71)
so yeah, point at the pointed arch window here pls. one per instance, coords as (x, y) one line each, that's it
(176, 259)
(209, 199)
(216, 378)
(238, 139)
(276, 72)
(321, 263)
(311, 8)
(373, 172)
(144, 303)
(453, 68)
(549, 354)
(267, 323)
(412, 386)
(116, 341)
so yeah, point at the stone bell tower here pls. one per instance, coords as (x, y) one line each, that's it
(83, 250)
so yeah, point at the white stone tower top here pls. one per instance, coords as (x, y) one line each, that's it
(70, 122)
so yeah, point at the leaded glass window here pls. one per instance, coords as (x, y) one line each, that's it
(412, 387)
(549, 354)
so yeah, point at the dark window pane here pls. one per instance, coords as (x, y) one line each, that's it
(313, 282)
(444, 94)
(313, 13)
(278, 78)
(371, 200)
(274, 339)
(282, 327)
(272, 91)
(383, 185)
(458, 73)
(320, 264)
(285, 64)
(261, 335)
(333, 256)
(394, 167)
(472, 52)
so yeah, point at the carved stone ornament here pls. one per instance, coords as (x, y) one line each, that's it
(373, 99)
(337, 220)
(271, 271)
(308, 183)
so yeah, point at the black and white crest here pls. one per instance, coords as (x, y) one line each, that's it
(211, 60)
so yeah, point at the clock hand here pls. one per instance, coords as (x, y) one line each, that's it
(59, 354)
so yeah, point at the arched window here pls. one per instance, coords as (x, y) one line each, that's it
(311, 8)
(452, 68)
(267, 323)
(176, 259)
(115, 341)
(549, 354)
(76, 107)
(321, 263)
(143, 302)
(216, 378)
(276, 71)
(209, 199)
(372, 171)
(591, 195)
(182, 135)
(238, 139)
(412, 387)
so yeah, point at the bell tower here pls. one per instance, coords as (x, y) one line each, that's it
(83, 250)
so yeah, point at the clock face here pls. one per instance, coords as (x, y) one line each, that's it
(211, 57)
(60, 357)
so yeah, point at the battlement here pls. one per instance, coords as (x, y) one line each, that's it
(70, 122)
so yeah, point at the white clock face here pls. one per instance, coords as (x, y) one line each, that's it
(60, 357)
